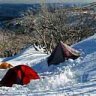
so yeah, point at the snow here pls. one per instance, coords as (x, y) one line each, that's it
(70, 78)
(86, 46)
(26, 56)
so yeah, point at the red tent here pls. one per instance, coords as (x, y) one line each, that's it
(62, 52)
(21, 74)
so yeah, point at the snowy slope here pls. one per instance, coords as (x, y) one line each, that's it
(86, 46)
(71, 78)
(29, 54)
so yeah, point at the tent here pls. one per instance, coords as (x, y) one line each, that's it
(61, 53)
(5, 65)
(21, 74)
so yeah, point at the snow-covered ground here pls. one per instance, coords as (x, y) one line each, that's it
(70, 78)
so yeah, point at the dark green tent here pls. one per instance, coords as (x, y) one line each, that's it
(61, 53)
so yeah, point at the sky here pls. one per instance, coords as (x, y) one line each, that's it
(39, 1)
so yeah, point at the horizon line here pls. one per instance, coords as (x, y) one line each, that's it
(49, 2)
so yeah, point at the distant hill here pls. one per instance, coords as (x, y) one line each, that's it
(11, 11)
(90, 5)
